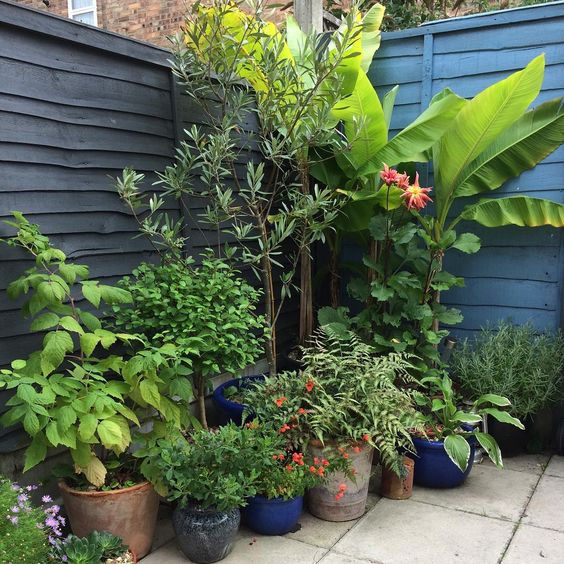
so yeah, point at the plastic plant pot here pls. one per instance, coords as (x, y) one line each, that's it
(231, 410)
(276, 516)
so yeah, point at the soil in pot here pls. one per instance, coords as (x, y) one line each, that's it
(205, 535)
(321, 500)
(272, 516)
(511, 440)
(433, 466)
(129, 513)
(395, 487)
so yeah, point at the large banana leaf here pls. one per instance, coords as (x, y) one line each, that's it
(364, 121)
(371, 34)
(388, 104)
(410, 144)
(516, 210)
(478, 124)
(527, 142)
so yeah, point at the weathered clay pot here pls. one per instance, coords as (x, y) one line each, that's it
(129, 513)
(394, 487)
(321, 500)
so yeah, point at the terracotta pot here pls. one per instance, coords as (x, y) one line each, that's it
(394, 487)
(321, 500)
(129, 513)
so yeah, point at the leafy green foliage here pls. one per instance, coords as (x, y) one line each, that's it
(207, 312)
(346, 393)
(75, 392)
(445, 420)
(21, 540)
(514, 361)
(95, 548)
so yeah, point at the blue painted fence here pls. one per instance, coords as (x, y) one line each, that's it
(519, 272)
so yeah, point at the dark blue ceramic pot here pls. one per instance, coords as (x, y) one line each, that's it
(434, 468)
(272, 516)
(231, 410)
(205, 535)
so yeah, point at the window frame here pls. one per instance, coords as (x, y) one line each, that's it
(78, 11)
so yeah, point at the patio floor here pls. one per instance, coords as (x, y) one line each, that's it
(515, 515)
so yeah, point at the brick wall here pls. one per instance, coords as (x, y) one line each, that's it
(147, 20)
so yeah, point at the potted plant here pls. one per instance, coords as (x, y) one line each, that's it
(76, 393)
(445, 452)
(394, 486)
(343, 404)
(97, 547)
(518, 362)
(210, 475)
(207, 312)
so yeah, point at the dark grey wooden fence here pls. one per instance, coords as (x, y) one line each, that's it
(519, 272)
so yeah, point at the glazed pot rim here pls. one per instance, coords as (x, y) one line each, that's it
(438, 444)
(275, 500)
(218, 392)
(145, 485)
(195, 506)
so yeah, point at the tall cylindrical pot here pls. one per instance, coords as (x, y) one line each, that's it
(129, 513)
(205, 535)
(321, 500)
(393, 486)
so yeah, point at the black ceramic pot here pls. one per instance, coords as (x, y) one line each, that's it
(511, 440)
(205, 535)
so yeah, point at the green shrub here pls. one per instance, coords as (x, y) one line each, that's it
(207, 312)
(513, 361)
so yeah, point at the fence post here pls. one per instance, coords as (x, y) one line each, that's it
(309, 14)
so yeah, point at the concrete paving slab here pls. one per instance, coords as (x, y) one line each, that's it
(555, 467)
(532, 545)
(487, 491)
(546, 506)
(325, 534)
(249, 547)
(333, 557)
(410, 532)
(531, 463)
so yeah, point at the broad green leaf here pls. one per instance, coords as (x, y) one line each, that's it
(82, 454)
(31, 423)
(18, 364)
(388, 104)
(52, 433)
(88, 343)
(182, 388)
(70, 272)
(35, 452)
(113, 295)
(27, 393)
(467, 243)
(522, 211)
(91, 321)
(528, 141)
(107, 338)
(71, 324)
(503, 417)
(55, 345)
(95, 471)
(478, 124)
(494, 399)
(128, 413)
(110, 433)
(150, 393)
(50, 292)
(87, 427)
(411, 143)
(371, 36)
(465, 417)
(92, 293)
(458, 450)
(490, 445)
(364, 121)
(44, 321)
(66, 417)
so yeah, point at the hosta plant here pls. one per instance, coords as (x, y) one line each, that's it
(75, 391)
(447, 422)
(208, 312)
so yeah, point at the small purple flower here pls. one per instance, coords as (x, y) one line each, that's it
(13, 519)
(64, 558)
(51, 522)
(15, 509)
(62, 520)
(22, 498)
(46, 499)
(15, 487)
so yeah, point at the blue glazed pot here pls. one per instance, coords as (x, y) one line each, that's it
(272, 516)
(434, 468)
(231, 410)
(205, 535)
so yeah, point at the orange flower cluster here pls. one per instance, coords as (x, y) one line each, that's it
(342, 489)
(310, 385)
(280, 401)
(414, 196)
